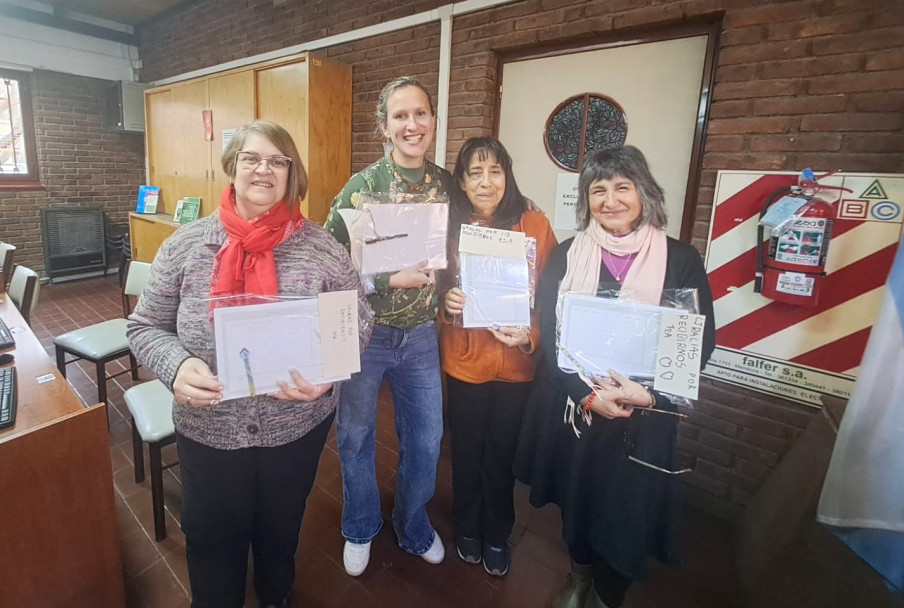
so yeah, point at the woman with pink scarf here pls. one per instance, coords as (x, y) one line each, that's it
(615, 512)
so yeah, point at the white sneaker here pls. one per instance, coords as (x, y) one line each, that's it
(356, 556)
(436, 553)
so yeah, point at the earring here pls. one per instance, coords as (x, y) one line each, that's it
(387, 148)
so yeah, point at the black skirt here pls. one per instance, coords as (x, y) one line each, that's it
(624, 510)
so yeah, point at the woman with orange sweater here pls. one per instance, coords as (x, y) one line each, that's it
(489, 371)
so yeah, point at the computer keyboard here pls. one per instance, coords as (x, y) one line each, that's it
(7, 396)
(6, 338)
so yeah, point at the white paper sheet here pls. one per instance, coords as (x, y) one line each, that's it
(603, 334)
(417, 230)
(257, 345)
(497, 291)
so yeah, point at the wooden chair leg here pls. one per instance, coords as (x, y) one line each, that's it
(156, 464)
(61, 361)
(137, 453)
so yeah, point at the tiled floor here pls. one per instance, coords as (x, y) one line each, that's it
(156, 576)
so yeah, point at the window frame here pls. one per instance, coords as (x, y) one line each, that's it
(30, 180)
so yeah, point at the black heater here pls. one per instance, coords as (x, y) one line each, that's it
(73, 241)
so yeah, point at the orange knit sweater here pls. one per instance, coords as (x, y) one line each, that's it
(474, 355)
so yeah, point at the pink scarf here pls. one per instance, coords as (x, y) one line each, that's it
(646, 276)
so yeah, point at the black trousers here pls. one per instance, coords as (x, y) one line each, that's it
(233, 499)
(610, 585)
(485, 420)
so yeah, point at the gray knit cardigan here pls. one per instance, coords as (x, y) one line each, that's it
(170, 324)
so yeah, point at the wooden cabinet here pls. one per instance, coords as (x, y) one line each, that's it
(307, 94)
(148, 232)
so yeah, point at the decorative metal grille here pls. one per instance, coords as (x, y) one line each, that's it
(13, 159)
(582, 124)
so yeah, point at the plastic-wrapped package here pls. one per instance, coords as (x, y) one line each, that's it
(392, 231)
(499, 290)
(253, 341)
(610, 331)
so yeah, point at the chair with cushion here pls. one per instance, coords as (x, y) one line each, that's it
(104, 342)
(7, 253)
(24, 290)
(151, 406)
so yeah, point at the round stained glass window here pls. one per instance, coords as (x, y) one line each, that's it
(582, 124)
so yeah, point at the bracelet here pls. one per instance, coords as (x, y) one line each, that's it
(589, 401)
(652, 396)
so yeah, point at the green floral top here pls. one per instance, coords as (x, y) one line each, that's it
(402, 308)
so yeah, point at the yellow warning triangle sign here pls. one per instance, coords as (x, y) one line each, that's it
(875, 190)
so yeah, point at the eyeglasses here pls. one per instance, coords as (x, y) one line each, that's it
(249, 161)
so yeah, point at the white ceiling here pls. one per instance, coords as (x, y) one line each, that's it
(130, 12)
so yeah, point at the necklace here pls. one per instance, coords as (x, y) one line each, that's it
(618, 272)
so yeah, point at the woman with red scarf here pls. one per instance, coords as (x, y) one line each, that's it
(247, 464)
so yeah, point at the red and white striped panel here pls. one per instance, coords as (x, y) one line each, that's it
(831, 336)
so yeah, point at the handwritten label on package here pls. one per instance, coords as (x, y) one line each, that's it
(679, 354)
(491, 241)
(339, 348)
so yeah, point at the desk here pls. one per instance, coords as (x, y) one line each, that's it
(58, 540)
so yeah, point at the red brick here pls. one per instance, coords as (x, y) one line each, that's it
(807, 142)
(736, 73)
(878, 163)
(875, 142)
(758, 88)
(765, 162)
(750, 125)
(807, 104)
(851, 83)
(810, 66)
(648, 15)
(869, 40)
(742, 35)
(766, 51)
(889, 60)
(873, 121)
(726, 143)
(729, 109)
(836, 24)
(888, 101)
(772, 13)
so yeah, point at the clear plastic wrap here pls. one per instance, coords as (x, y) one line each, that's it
(610, 331)
(392, 231)
(253, 341)
(499, 291)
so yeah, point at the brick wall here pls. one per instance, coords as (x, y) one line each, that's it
(79, 162)
(799, 83)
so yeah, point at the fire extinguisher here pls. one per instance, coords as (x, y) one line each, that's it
(791, 263)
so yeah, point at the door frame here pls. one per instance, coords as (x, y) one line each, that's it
(710, 27)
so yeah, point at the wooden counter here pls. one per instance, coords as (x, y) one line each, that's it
(147, 232)
(58, 540)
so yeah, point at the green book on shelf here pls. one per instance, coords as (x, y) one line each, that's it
(190, 209)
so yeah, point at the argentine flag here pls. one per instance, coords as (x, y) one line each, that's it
(862, 500)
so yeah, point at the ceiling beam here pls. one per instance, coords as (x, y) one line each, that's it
(71, 25)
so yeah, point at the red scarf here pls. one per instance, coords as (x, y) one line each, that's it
(245, 262)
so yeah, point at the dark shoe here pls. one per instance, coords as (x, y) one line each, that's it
(469, 549)
(574, 594)
(495, 559)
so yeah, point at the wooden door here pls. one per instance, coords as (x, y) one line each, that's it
(283, 97)
(657, 84)
(189, 150)
(162, 165)
(329, 134)
(232, 105)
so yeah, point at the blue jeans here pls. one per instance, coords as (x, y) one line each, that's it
(409, 360)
